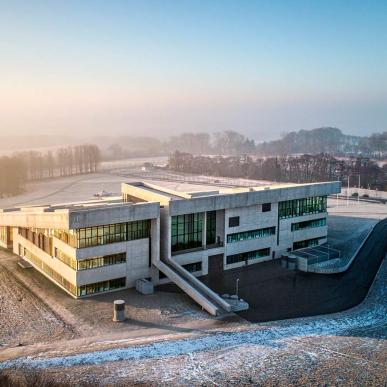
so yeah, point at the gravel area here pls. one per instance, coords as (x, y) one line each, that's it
(24, 318)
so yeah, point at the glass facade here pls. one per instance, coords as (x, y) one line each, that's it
(211, 228)
(193, 267)
(69, 237)
(300, 207)
(90, 263)
(48, 270)
(244, 257)
(306, 243)
(92, 236)
(112, 233)
(83, 290)
(103, 286)
(309, 224)
(186, 231)
(252, 234)
(4, 234)
(38, 236)
(72, 262)
(107, 260)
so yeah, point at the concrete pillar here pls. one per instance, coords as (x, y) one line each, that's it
(204, 231)
(119, 310)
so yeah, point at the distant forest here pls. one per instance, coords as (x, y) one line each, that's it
(226, 143)
(297, 169)
(229, 143)
(20, 167)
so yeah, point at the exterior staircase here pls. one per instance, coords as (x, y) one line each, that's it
(203, 295)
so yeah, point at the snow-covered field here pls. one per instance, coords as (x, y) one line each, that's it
(353, 340)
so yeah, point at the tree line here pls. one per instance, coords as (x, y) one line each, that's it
(296, 169)
(326, 140)
(17, 169)
(229, 143)
(225, 143)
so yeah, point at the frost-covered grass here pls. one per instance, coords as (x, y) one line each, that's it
(370, 314)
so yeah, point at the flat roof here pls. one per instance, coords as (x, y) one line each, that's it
(219, 198)
(88, 213)
(71, 206)
(191, 191)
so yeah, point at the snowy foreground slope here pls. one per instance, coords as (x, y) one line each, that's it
(346, 347)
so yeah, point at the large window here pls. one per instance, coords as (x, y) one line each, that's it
(306, 243)
(252, 234)
(211, 228)
(309, 224)
(193, 267)
(90, 263)
(103, 286)
(107, 260)
(244, 257)
(186, 231)
(38, 236)
(300, 207)
(119, 232)
(54, 275)
(76, 291)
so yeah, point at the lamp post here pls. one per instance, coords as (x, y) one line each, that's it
(237, 287)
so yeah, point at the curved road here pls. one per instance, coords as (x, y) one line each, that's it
(275, 293)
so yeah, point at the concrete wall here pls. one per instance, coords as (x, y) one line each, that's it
(250, 218)
(287, 237)
(65, 219)
(137, 258)
(65, 271)
(247, 199)
(113, 214)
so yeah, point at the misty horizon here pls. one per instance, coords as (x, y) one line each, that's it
(153, 69)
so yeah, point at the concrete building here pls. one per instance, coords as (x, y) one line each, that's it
(165, 235)
(211, 231)
(85, 248)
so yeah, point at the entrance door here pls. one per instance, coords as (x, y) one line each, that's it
(215, 264)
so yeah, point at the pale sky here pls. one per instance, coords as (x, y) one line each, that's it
(165, 67)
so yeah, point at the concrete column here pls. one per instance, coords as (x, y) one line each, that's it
(204, 231)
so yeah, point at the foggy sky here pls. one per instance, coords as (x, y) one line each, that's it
(164, 67)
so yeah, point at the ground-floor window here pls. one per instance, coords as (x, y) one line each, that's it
(306, 243)
(103, 286)
(193, 267)
(246, 256)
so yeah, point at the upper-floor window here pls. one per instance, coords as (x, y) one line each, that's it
(301, 207)
(112, 233)
(252, 234)
(309, 224)
(266, 207)
(233, 221)
(186, 231)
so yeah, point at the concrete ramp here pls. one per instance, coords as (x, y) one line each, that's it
(205, 303)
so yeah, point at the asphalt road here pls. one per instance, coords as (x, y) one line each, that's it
(275, 293)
